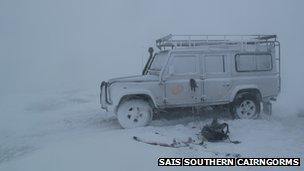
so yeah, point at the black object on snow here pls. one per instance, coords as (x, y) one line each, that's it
(216, 132)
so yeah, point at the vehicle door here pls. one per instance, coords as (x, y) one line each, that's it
(182, 80)
(217, 82)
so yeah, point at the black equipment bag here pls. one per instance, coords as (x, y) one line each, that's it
(216, 132)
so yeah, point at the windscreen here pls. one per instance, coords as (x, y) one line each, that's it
(159, 61)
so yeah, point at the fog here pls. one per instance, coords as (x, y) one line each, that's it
(55, 53)
(59, 44)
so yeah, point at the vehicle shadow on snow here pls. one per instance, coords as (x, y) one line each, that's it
(187, 115)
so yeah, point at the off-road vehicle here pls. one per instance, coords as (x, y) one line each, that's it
(239, 71)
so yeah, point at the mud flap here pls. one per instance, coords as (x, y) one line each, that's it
(267, 108)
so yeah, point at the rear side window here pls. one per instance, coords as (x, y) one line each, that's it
(253, 62)
(214, 64)
(185, 64)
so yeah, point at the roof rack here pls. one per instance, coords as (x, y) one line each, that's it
(178, 41)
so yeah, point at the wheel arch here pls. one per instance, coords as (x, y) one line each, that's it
(254, 91)
(145, 96)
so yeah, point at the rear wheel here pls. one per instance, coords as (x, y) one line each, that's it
(134, 113)
(246, 107)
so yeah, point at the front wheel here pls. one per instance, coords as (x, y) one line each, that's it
(246, 107)
(134, 113)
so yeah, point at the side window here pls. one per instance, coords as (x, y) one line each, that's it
(245, 63)
(253, 62)
(185, 64)
(263, 62)
(214, 64)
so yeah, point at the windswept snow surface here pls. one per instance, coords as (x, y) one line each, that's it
(68, 131)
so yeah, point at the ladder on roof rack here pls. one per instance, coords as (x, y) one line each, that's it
(175, 41)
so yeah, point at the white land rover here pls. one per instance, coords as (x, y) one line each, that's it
(239, 71)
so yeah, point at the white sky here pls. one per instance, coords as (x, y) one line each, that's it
(59, 44)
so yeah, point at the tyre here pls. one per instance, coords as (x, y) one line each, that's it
(134, 113)
(246, 106)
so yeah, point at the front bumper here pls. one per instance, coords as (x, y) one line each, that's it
(104, 99)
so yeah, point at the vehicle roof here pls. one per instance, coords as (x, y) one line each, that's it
(217, 43)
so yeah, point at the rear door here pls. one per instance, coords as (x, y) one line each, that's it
(216, 82)
(182, 83)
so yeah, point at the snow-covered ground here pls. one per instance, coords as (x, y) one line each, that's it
(68, 131)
